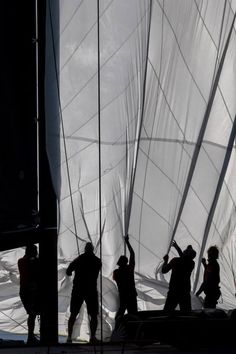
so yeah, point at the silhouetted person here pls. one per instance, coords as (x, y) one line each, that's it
(124, 278)
(86, 268)
(29, 288)
(180, 284)
(211, 278)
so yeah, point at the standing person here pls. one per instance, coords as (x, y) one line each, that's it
(211, 279)
(29, 288)
(124, 278)
(180, 284)
(86, 268)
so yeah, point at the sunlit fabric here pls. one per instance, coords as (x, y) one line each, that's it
(157, 80)
(140, 110)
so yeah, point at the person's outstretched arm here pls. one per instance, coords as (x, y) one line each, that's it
(178, 249)
(131, 251)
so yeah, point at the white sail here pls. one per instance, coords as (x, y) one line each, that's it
(140, 110)
(166, 90)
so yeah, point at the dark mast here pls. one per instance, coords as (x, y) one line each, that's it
(47, 203)
(22, 123)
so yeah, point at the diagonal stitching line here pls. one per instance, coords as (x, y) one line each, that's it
(83, 39)
(181, 53)
(103, 65)
(70, 20)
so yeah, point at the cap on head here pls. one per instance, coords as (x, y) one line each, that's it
(122, 261)
(31, 250)
(88, 247)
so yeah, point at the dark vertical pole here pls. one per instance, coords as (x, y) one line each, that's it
(100, 160)
(47, 207)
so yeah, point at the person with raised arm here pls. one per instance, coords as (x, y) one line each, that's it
(124, 278)
(180, 285)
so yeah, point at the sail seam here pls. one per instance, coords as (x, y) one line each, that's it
(103, 65)
(70, 19)
(181, 53)
(81, 42)
(204, 23)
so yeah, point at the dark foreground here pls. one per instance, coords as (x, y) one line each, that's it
(198, 332)
(110, 348)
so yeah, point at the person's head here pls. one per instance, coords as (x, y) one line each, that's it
(189, 252)
(213, 252)
(122, 261)
(31, 250)
(88, 247)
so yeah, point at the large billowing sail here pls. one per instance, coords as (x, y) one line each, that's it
(146, 107)
(140, 110)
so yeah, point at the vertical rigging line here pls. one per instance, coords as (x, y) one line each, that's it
(37, 95)
(202, 132)
(138, 134)
(126, 191)
(150, 142)
(140, 128)
(99, 158)
(62, 125)
(158, 93)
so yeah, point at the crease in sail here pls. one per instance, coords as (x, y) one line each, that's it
(224, 164)
(139, 130)
(201, 133)
(216, 197)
